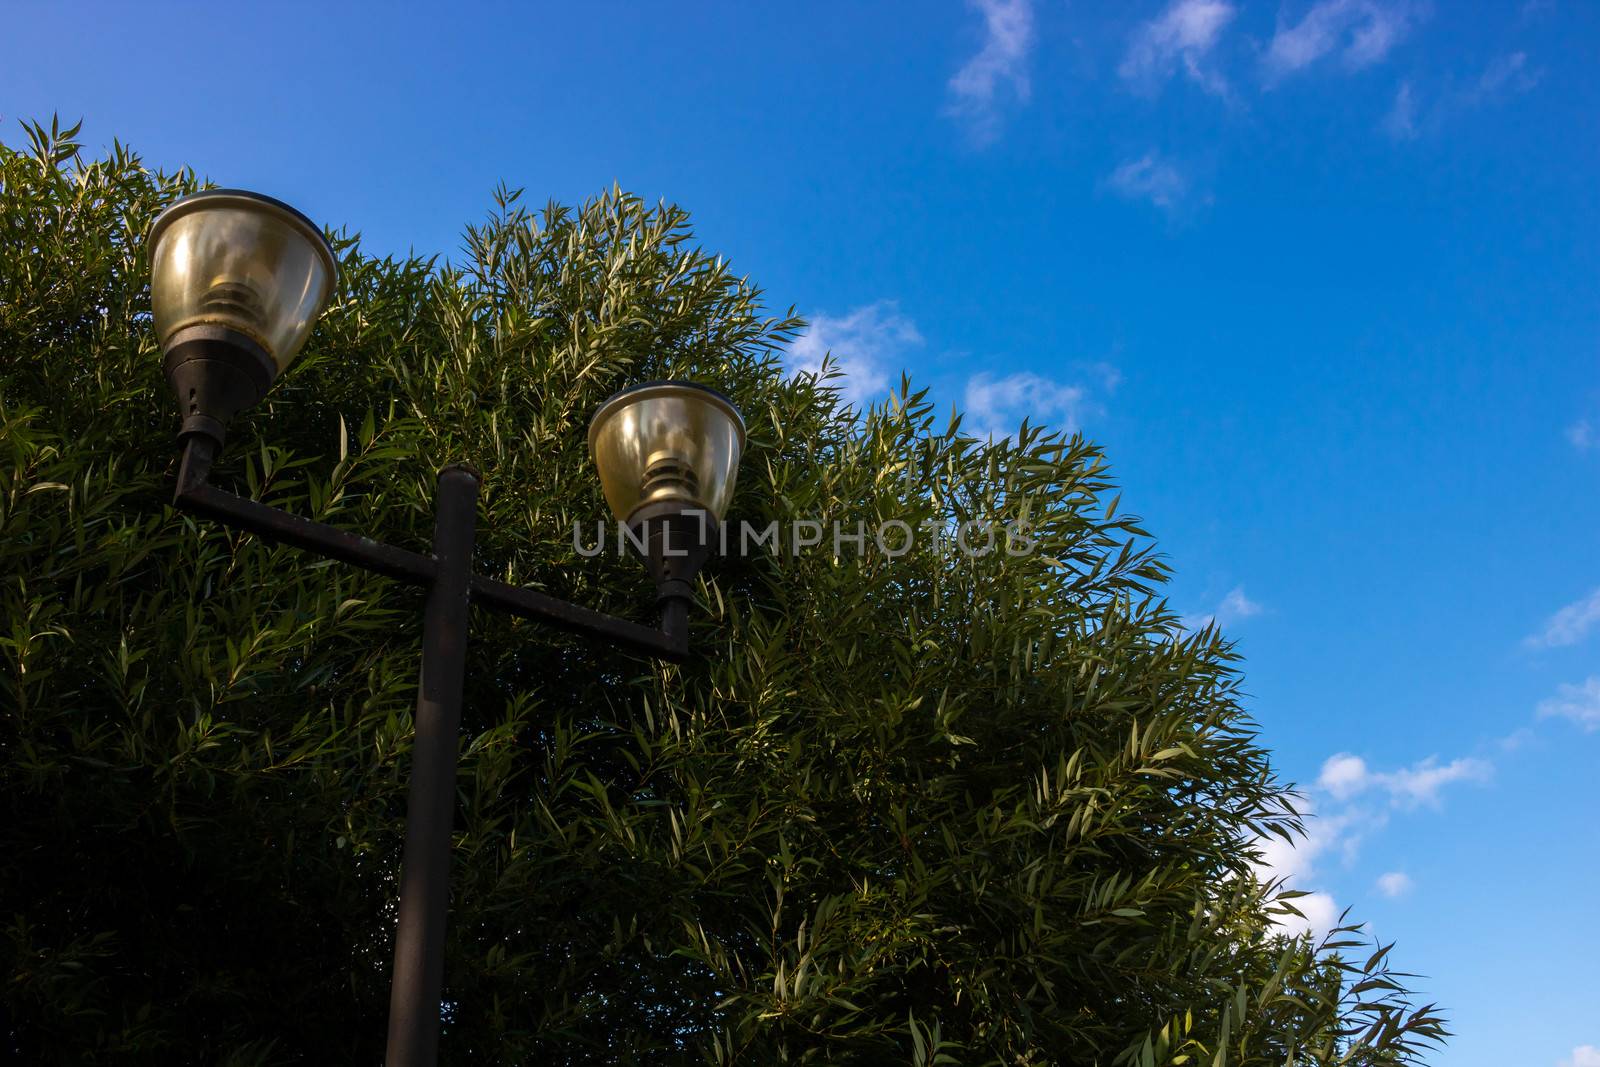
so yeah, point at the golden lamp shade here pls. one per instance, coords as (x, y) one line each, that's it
(668, 443)
(243, 261)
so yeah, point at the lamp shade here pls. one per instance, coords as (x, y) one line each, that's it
(242, 261)
(667, 443)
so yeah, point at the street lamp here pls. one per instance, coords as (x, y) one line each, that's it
(237, 281)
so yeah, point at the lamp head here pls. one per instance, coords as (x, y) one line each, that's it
(237, 280)
(668, 455)
(665, 446)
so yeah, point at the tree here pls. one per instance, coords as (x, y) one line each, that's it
(929, 808)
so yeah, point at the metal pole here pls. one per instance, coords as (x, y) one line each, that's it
(414, 996)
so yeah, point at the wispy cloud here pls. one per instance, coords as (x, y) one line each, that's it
(1233, 608)
(1580, 703)
(1509, 73)
(1358, 33)
(869, 345)
(1582, 1056)
(1569, 625)
(995, 407)
(1001, 64)
(1394, 884)
(1181, 38)
(1344, 776)
(1517, 739)
(1581, 435)
(1152, 178)
(1503, 76)
(1107, 373)
(1422, 782)
(1401, 121)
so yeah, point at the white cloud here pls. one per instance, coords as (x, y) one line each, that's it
(1321, 914)
(1421, 782)
(1582, 1056)
(1581, 435)
(1401, 121)
(872, 344)
(1150, 178)
(1580, 703)
(1233, 607)
(1324, 835)
(975, 89)
(995, 407)
(1345, 775)
(1569, 625)
(1295, 866)
(1395, 884)
(1360, 32)
(869, 345)
(1280, 859)
(1183, 36)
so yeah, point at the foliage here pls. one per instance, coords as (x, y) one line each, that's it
(928, 809)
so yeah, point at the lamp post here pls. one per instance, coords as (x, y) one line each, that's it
(237, 281)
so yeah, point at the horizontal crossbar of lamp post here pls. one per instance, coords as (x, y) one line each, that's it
(197, 497)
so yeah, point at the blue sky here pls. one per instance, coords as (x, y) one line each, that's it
(1322, 275)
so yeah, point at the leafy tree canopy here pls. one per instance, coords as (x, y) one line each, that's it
(929, 809)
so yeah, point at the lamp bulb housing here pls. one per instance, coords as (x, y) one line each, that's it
(237, 281)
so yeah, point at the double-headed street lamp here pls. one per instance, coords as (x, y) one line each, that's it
(237, 281)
